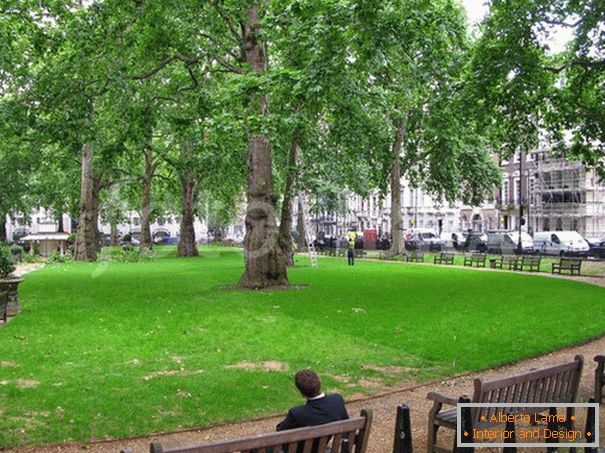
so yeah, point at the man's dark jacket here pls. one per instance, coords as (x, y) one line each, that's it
(328, 409)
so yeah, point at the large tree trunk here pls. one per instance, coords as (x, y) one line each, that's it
(113, 238)
(397, 243)
(300, 224)
(3, 237)
(60, 226)
(87, 235)
(187, 245)
(146, 241)
(285, 226)
(265, 263)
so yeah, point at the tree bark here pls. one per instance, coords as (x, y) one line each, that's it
(187, 245)
(3, 237)
(285, 226)
(60, 226)
(300, 224)
(87, 236)
(397, 242)
(113, 238)
(146, 241)
(265, 263)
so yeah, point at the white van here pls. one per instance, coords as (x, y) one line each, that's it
(507, 242)
(422, 239)
(560, 243)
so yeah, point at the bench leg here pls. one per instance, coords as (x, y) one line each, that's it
(552, 425)
(598, 382)
(431, 438)
(510, 426)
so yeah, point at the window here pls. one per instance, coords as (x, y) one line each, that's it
(136, 220)
(505, 198)
(517, 191)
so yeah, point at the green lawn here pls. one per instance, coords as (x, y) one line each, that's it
(123, 349)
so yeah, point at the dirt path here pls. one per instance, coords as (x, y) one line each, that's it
(383, 405)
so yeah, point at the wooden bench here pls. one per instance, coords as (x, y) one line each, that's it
(572, 265)
(529, 263)
(554, 384)
(599, 378)
(476, 259)
(444, 258)
(511, 262)
(4, 306)
(415, 256)
(345, 436)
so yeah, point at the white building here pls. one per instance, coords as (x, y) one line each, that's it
(42, 221)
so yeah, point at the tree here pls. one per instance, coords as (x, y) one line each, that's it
(416, 52)
(526, 92)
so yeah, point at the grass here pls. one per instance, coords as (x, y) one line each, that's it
(123, 349)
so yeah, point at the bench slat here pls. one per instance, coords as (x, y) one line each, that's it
(337, 443)
(291, 438)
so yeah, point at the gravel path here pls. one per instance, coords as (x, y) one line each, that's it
(383, 405)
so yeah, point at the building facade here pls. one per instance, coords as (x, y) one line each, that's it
(543, 192)
(551, 194)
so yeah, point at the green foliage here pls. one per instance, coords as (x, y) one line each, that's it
(30, 259)
(126, 254)
(158, 340)
(7, 264)
(16, 250)
(58, 258)
(525, 92)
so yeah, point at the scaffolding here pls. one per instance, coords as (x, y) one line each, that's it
(565, 196)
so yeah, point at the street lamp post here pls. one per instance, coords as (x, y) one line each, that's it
(519, 244)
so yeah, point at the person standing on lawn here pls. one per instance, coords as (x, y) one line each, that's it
(351, 252)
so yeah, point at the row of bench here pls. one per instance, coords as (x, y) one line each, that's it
(553, 384)
(528, 263)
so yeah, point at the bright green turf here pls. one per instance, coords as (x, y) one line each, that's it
(73, 364)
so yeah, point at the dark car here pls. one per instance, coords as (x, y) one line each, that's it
(597, 248)
(170, 240)
(474, 242)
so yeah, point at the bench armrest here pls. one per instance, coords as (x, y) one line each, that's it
(441, 398)
(599, 358)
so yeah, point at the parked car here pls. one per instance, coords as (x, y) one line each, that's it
(597, 247)
(422, 239)
(452, 240)
(474, 242)
(170, 240)
(507, 242)
(561, 243)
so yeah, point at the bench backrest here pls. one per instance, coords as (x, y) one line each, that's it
(446, 255)
(355, 431)
(570, 262)
(553, 384)
(531, 259)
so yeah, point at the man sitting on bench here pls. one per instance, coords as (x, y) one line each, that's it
(319, 409)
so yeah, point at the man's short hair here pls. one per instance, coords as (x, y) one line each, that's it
(308, 383)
